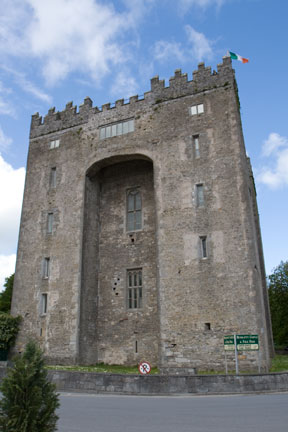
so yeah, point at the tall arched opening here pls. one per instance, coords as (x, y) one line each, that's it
(119, 320)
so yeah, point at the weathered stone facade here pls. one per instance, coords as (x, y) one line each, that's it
(197, 250)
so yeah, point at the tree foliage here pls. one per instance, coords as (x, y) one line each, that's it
(9, 327)
(29, 400)
(278, 297)
(6, 294)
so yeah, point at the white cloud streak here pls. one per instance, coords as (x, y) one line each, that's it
(11, 194)
(164, 50)
(26, 85)
(185, 5)
(197, 47)
(5, 141)
(201, 46)
(7, 267)
(275, 174)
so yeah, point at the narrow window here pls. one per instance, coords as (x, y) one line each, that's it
(44, 303)
(200, 108)
(134, 210)
(134, 288)
(53, 178)
(102, 133)
(196, 146)
(119, 128)
(203, 241)
(200, 195)
(194, 110)
(131, 126)
(46, 268)
(113, 130)
(207, 326)
(125, 128)
(50, 221)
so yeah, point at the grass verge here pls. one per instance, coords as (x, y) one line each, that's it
(104, 368)
(279, 364)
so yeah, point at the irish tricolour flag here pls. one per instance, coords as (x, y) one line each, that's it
(238, 57)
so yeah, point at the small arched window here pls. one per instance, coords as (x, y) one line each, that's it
(134, 210)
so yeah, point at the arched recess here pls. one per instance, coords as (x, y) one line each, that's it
(119, 319)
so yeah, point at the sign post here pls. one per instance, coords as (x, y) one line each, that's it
(241, 343)
(236, 354)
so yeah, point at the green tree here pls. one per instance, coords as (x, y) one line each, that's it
(29, 400)
(6, 294)
(278, 297)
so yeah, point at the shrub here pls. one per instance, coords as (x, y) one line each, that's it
(29, 400)
(9, 327)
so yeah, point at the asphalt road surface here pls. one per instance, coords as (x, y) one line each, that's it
(103, 413)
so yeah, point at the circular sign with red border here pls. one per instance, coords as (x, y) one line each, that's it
(144, 368)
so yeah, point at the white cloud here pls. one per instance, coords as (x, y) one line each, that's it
(185, 5)
(5, 106)
(275, 174)
(11, 194)
(124, 84)
(4, 140)
(201, 46)
(7, 267)
(68, 35)
(198, 46)
(27, 85)
(273, 144)
(164, 50)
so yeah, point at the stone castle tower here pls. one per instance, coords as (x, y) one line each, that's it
(139, 235)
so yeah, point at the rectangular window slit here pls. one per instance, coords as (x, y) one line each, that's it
(53, 177)
(46, 268)
(44, 304)
(203, 247)
(200, 195)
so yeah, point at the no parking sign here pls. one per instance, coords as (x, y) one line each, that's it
(144, 368)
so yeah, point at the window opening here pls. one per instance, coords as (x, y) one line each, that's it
(207, 326)
(200, 195)
(117, 129)
(44, 303)
(46, 269)
(197, 109)
(203, 246)
(134, 280)
(50, 221)
(54, 144)
(196, 146)
(53, 177)
(134, 210)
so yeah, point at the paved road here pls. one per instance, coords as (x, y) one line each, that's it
(103, 413)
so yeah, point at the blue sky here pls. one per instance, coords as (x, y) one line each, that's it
(56, 51)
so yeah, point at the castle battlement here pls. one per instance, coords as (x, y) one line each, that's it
(203, 79)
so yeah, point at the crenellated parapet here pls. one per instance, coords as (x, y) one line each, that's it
(204, 79)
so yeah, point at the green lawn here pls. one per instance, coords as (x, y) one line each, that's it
(279, 363)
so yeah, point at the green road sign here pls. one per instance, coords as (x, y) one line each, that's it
(247, 342)
(229, 343)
